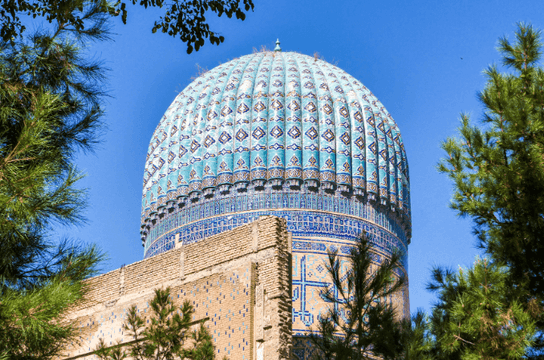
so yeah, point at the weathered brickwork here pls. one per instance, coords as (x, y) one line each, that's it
(238, 281)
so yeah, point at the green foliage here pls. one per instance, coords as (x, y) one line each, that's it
(361, 323)
(478, 316)
(50, 107)
(27, 330)
(168, 335)
(416, 338)
(182, 18)
(498, 170)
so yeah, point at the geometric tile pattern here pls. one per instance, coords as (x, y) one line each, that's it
(267, 105)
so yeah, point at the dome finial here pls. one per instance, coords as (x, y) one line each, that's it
(277, 48)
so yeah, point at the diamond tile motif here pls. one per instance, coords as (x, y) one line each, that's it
(329, 164)
(241, 135)
(294, 161)
(357, 116)
(259, 106)
(344, 112)
(242, 108)
(309, 85)
(310, 107)
(360, 142)
(226, 111)
(327, 109)
(383, 154)
(277, 83)
(258, 133)
(311, 147)
(194, 146)
(312, 133)
(182, 151)
(293, 147)
(328, 135)
(208, 141)
(224, 137)
(171, 156)
(345, 138)
(293, 105)
(294, 132)
(339, 89)
(276, 105)
(276, 132)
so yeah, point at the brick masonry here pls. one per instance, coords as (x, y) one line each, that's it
(238, 281)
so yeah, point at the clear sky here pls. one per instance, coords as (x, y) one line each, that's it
(422, 59)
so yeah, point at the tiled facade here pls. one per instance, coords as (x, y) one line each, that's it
(238, 283)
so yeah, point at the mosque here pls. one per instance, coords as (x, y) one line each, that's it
(256, 170)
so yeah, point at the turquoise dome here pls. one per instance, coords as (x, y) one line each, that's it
(274, 121)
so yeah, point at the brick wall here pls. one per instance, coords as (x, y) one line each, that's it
(238, 281)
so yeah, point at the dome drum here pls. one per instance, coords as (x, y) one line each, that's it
(275, 185)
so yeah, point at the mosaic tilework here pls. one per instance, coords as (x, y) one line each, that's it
(272, 200)
(299, 223)
(310, 280)
(275, 118)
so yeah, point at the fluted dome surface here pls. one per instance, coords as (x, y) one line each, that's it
(275, 119)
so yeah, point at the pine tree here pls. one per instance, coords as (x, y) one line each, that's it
(50, 107)
(478, 316)
(498, 168)
(361, 322)
(416, 338)
(168, 336)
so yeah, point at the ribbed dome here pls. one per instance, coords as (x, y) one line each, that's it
(275, 120)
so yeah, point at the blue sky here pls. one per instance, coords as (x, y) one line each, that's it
(422, 59)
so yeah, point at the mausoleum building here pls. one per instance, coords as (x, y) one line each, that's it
(256, 170)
